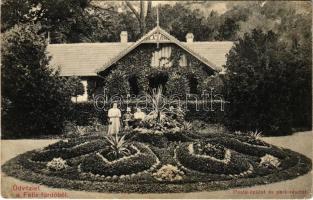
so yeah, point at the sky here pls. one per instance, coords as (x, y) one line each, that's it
(218, 6)
(203, 6)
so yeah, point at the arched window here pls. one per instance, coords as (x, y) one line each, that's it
(158, 79)
(133, 84)
(193, 84)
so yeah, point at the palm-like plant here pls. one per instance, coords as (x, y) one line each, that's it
(118, 146)
(157, 102)
(187, 126)
(80, 130)
(256, 134)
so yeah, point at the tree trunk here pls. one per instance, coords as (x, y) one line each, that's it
(142, 21)
(149, 10)
(142, 15)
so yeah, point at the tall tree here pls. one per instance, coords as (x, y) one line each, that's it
(265, 82)
(35, 94)
(143, 14)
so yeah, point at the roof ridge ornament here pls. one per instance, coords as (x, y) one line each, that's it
(158, 25)
(158, 20)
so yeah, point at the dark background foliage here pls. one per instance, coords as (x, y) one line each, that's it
(268, 86)
(269, 70)
(34, 94)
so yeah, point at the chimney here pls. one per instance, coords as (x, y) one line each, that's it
(124, 37)
(189, 38)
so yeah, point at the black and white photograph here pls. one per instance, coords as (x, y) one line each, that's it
(156, 99)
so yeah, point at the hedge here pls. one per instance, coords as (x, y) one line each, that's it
(154, 139)
(252, 150)
(129, 165)
(62, 144)
(84, 113)
(235, 166)
(67, 153)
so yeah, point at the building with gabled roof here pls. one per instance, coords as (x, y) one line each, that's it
(92, 62)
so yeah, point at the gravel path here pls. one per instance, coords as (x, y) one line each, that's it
(300, 142)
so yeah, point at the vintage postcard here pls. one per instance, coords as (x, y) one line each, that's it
(156, 99)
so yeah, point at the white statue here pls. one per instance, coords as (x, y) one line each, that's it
(139, 115)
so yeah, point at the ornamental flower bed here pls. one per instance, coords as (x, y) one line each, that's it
(230, 164)
(70, 152)
(157, 164)
(142, 159)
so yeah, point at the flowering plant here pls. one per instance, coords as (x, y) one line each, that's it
(57, 164)
(168, 173)
(269, 161)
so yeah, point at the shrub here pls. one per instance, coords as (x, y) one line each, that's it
(57, 164)
(177, 85)
(69, 143)
(168, 173)
(154, 139)
(117, 83)
(204, 148)
(77, 87)
(214, 82)
(181, 136)
(63, 144)
(85, 114)
(198, 112)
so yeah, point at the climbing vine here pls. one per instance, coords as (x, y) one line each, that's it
(177, 85)
(138, 64)
(117, 83)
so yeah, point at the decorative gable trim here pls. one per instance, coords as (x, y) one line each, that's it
(156, 37)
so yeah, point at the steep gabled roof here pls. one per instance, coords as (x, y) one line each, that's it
(83, 59)
(213, 51)
(170, 38)
(86, 59)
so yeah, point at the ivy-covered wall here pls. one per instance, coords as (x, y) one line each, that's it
(134, 74)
